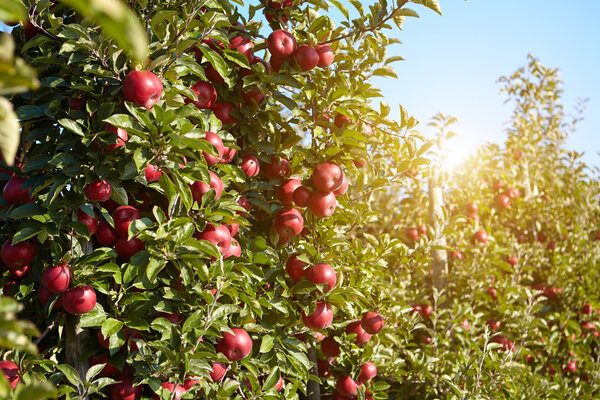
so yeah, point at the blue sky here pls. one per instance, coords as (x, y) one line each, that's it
(452, 63)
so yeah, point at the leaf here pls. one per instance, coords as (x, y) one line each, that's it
(118, 22)
(71, 125)
(111, 326)
(93, 371)
(12, 10)
(267, 344)
(432, 4)
(36, 390)
(272, 379)
(10, 132)
(93, 318)
(71, 374)
(26, 211)
(25, 233)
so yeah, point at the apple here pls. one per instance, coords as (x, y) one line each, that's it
(234, 249)
(498, 185)
(253, 97)
(99, 190)
(79, 300)
(281, 44)
(327, 177)
(212, 74)
(218, 371)
(120, 139)
(346, 386)
(222, 111)
(502, 340)
(481, 236)
(20, 273)
(45, 296)
(17, 256)
(243, 45)
(359, 163)
(285, 192)
(76, 103)
(108, 369)
(330, 347)
(233, 228)
(342, 189)
(179, 391)
(472, 208)
(340, 120)
(142, 88)
(321, 318)
(105, 234)
(425, 310)
(102, 341)
(288, 222)
(322, 273)
(502, 201)
(362, 337)
(372, 322)
(492, 292)
(301, 196)
(11, 372)
(216, 141)
(513, 193)
(412, 234)
(14, 193)
(325, 55)
(228, 155)
(457, 255)
(368, 371)
(90, 221)
(322, 204)
(152, 173)
(217, 235)
(571, 366)
(427, 339)
(587, 309)
(295, 268)
(191, 382)
(277, 168)
(493, 324)
(244, 203)
(56, 278)
(250, 165)
(422, 229)
(552, 293)
(122, 217)
(513, 260)
(174, 318)
(199, 188)
(307, 57)
(128, 248)
(7, 286)
(206, 95)
(541, 236)
(473, 217)
(465, 324)
(279, 384)
(323, 367)
(236, 346)
(124, 389)
(30, 30)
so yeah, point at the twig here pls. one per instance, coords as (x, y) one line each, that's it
(47, 330)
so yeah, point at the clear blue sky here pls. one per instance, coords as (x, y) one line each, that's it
(452, 63)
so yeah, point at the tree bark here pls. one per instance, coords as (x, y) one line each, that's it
(313, 389)
(439, 257)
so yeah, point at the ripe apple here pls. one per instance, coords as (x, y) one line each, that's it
(492, 292)
(322, 273)
(99, 190)
(301, 196)
(199, 188)
(218, 371)
(481, 236)
(88, 220)
(422, 229)
(276, 168)
(191, 382)
(465, 324)
(285, 192)
(587, 309)
(360, 163)
(425, 310)
(11, 372)
(513, 260)
(295, 268)
(327, 177)
(281, 44)
(552, 293)
(14, 193)
(124, 389)
(222, 111)
(17, 256)
(217, 235)
(243, 45)
(472, 208)
(108, 370)
(323, 367)
(412, 234)
(56, 278)
(253, 97)
(233, 228)
(493, 324)
(250, 165)
(571, 366)
(79, 300)
(174, 318)
(216, 141)
(322, 204)
(367, 371)
(325, 55)
(362, 337)
(244, 203)
(502, 201)
(498, 185)
(206, 95)
(372, 322)
(102, 341)
(513, 193)
(20, 273)
(7, 286)
(45, 296)
(236, 346)
(128, 248)
(340, 120)
(346, 386)
(502, 340)
(228, 155)
(330, 347)
(179, 391)
(212, 74)
(121, 137)
(342, 189)
(307, 57)
(142, 88)
(288, 222)
(105, 234)
(152, 173)
(321, 318)
(234, 250)
(122, 217)
(457, 255)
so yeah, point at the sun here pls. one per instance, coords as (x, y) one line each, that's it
(455, 155)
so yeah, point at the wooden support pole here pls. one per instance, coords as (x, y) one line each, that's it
(439, 257)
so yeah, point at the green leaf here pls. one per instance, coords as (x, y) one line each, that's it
(25, 233)
(118, 22)
(432, 4)
(111, 326)
(93, 318)
(93, 371)
(26, 211)
(71, 125)
(36, 390)
(12, 10)
(71, 374)
(267, 344)
(10, 132)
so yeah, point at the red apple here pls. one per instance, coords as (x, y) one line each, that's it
(330, 347)
(45, 296)
(152, 173)
(502, 340)
(30, 30)
(99, 190)
(228, 155)
(20, 273)
(88, 220)
(327, 177)
(340, 120)
(108, 370)
(124, 389)
(306, 57)
(502, 201)
(11, 372)
(234, 249)
(191, 382)
(412, 234)
(513, 260)
(281, 44)
(325, 55)
(206, 95)
(17, 256)
(301, 196)
(295, 268)
(216, 141)
(218, 371)
(346, 386)
(222, 111)
(342, 189)
(179, 391)
(121, 137)
(285, 192)
(513, 193)
(199, 188)
(243, 45)
(105, 234)
(288, 222)
(322, 273)
(14, 193)
(79, 300)
(367, 371)
(472, 208)
(102, 341)
(457, 255)
(498, 185)
(362, 337)
(236, 346)
(217, 235)
(233, 228)
(372, 322)
(492, 292)
(493, 324)
(56, 278)
(322, 204)
(276, 168)
(321, 318)
(250, 165)
(359, 163)
(253, 97)
(142, 88)
(481, 237)
(128, 248)
(244, 203)
(587, 309)
(122, 217)
(323, 367)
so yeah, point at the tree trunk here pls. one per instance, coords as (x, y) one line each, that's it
(439, 257)
(314, 389)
